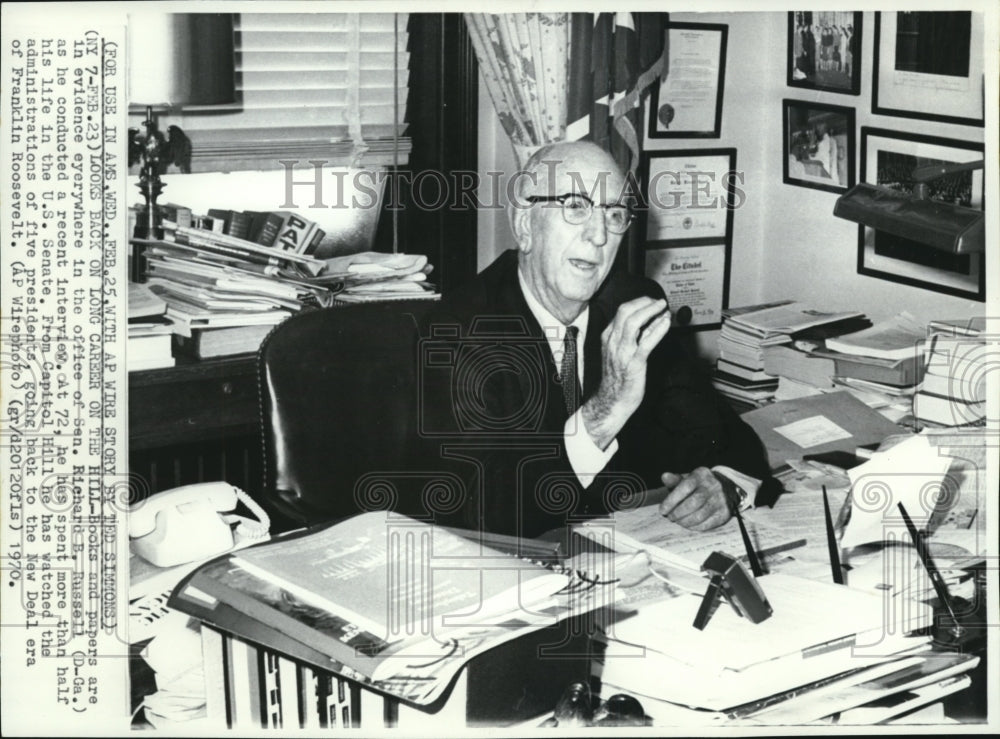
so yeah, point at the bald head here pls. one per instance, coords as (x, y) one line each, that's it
(566, 162)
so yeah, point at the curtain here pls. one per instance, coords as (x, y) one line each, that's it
(615, 57)
(524, 59)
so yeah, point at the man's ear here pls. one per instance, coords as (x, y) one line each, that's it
(520, 224)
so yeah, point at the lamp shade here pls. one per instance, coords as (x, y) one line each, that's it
(181, 59)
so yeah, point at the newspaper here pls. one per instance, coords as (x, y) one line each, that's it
(66, 190)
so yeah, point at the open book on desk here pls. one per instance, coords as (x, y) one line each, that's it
(383, 599)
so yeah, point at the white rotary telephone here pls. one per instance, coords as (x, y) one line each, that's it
(186, 524)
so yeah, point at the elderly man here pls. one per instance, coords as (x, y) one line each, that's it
(550, 388)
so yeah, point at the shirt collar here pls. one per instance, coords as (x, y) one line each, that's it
(552, 327)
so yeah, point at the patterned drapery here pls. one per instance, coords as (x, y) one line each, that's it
(524, 59)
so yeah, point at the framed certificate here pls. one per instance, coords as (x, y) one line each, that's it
(689, 196)
(927, 62)
(688, 103)
(696, 282)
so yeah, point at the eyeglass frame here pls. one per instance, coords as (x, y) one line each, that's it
(561, 199)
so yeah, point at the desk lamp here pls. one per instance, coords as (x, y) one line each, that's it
(176, 60)
(944, 226)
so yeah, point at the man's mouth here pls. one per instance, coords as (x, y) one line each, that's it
(583, 265)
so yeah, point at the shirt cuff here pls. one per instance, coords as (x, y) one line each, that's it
(585, 457)
(745, 486)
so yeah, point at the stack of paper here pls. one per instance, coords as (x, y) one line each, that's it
(149, 330)
(747, 337)
(371, 277)
(818, 631)
(953, 392)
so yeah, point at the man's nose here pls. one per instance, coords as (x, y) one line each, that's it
(595, 229)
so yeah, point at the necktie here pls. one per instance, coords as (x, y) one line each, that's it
(568, 371)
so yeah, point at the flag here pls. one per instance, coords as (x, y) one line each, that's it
(614, 58)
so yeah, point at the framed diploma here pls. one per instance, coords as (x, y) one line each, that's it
(926, 62)
(689, 196)
(888, 158)
(688, 103)
(696, 281)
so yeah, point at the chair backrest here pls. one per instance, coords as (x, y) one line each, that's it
(338, 391)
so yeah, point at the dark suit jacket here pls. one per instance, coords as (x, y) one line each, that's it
(493, 411)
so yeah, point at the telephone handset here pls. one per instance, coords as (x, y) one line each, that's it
(186, 524)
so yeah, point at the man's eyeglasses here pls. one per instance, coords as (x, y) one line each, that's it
(577, 209)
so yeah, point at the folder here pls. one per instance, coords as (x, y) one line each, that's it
(815, 424)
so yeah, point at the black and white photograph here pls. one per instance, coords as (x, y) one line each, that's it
(391, 369)
(929, 65)
(896, 161)
(824, 50)
(819, 145)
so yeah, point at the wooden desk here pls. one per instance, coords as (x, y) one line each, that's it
(195, 422)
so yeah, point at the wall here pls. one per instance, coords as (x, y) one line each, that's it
(786, 241)
(743, 108)
(807, 253)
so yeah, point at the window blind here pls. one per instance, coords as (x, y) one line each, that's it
(328, 86)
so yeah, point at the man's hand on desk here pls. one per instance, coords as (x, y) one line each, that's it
(696, 500)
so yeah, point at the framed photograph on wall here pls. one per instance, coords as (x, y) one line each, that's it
(888, 158)
(927, 62)
(819, 145)
(824, 50)
(688, 103)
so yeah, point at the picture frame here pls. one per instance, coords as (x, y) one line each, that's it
(887, 158)
(819, 145)
(688, 103)
(910, 80)
(695, 280)
(824, 50)
(688, 198)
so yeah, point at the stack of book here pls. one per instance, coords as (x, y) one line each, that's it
(749, 334)
(149, 330)
(953, 391)
(881, 365)
(282, 229)
(223, 293)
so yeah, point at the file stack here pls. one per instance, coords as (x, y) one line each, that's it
(748, 335)
(372, 277)
(953, 392)
(881, 365)
(149, 330)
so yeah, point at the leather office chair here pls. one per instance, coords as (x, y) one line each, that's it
(338, 391)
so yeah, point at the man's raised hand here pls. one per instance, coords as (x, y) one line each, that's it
(626, 343)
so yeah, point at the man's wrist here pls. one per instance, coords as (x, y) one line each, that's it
(601, 421)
